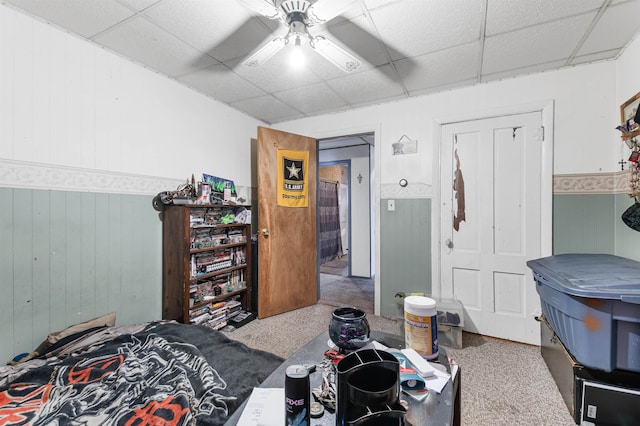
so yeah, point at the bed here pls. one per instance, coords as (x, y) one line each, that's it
(152, 373)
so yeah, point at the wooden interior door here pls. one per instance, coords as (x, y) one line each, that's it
(287, 236)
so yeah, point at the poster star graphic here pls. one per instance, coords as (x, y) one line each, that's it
(293, 190)
(293, 171)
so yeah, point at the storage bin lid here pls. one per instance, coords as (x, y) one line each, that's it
(601, 276)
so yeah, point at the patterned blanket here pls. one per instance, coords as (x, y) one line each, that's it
(165, 374)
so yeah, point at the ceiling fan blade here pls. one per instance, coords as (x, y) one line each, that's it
(325, 10)
(263, 7)
(265, 52)
(335, 54)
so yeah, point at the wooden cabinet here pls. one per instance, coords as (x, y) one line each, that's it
(206, 262)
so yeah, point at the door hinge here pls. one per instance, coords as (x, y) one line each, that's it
(540, 134)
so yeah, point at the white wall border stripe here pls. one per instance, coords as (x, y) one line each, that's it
(592, 183)
(22, 174)
(28, 175)
(412, 190)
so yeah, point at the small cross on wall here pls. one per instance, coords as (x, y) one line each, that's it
(622, 163)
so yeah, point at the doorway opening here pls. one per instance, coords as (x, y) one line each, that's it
(333, 209)
(346, 258)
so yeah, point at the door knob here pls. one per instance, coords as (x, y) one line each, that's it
(449, 243)
(265, 232)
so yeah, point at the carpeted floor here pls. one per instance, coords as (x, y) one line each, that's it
(503, 383)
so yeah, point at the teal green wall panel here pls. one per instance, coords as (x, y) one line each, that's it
(405, 251)
(22, 255)
(67, 257)
(591, 223)
(41, 262)
(584, 223)
(6, 271)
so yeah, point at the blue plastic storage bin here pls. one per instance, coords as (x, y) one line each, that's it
(592, 302)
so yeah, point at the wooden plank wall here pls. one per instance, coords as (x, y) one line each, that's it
(66, 257)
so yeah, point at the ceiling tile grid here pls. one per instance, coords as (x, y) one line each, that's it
(508, 15)
(313, 99)
(534, 45)
(221, 84)
(369, 86)
(150, 45)
(624, 18)
(270, 108)
(442, 68)
(416, 27)
(405, 47)
(87, 18)
(203, 26)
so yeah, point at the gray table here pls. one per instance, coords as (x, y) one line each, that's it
(437, 409)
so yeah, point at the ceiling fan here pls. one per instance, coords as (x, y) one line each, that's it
(298, 15)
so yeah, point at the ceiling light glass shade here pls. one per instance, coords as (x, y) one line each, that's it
(298, 34)
(266, 52)
(297, 58)
(335, 54)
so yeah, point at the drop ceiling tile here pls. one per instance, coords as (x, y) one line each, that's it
(415, 27)
(457, 84)
(372, 4)
(277, 73)
(201, 24)
(138, 5)
(534, 45)
(440, 69)
(154, 47)
(595, 57)
(222, 84)
(268, 109)
(86, 18)
(369, 86)
(312, 99)
(533, 69)
(509, 15)
(624, 18)
(419, 32)
(358, 37)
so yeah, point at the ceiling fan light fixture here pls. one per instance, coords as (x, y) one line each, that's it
(298, 34)
(289, 7)
(298, 15)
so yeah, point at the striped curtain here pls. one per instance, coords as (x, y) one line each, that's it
(330, 237)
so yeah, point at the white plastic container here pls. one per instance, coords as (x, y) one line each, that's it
(421, 326)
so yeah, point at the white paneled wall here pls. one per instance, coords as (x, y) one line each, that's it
(105, 135)
(66, 102)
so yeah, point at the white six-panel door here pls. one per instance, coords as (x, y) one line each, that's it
(491, 187)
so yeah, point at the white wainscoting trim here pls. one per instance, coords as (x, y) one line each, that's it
(21, 174)
(592, 183)
(412, 190)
